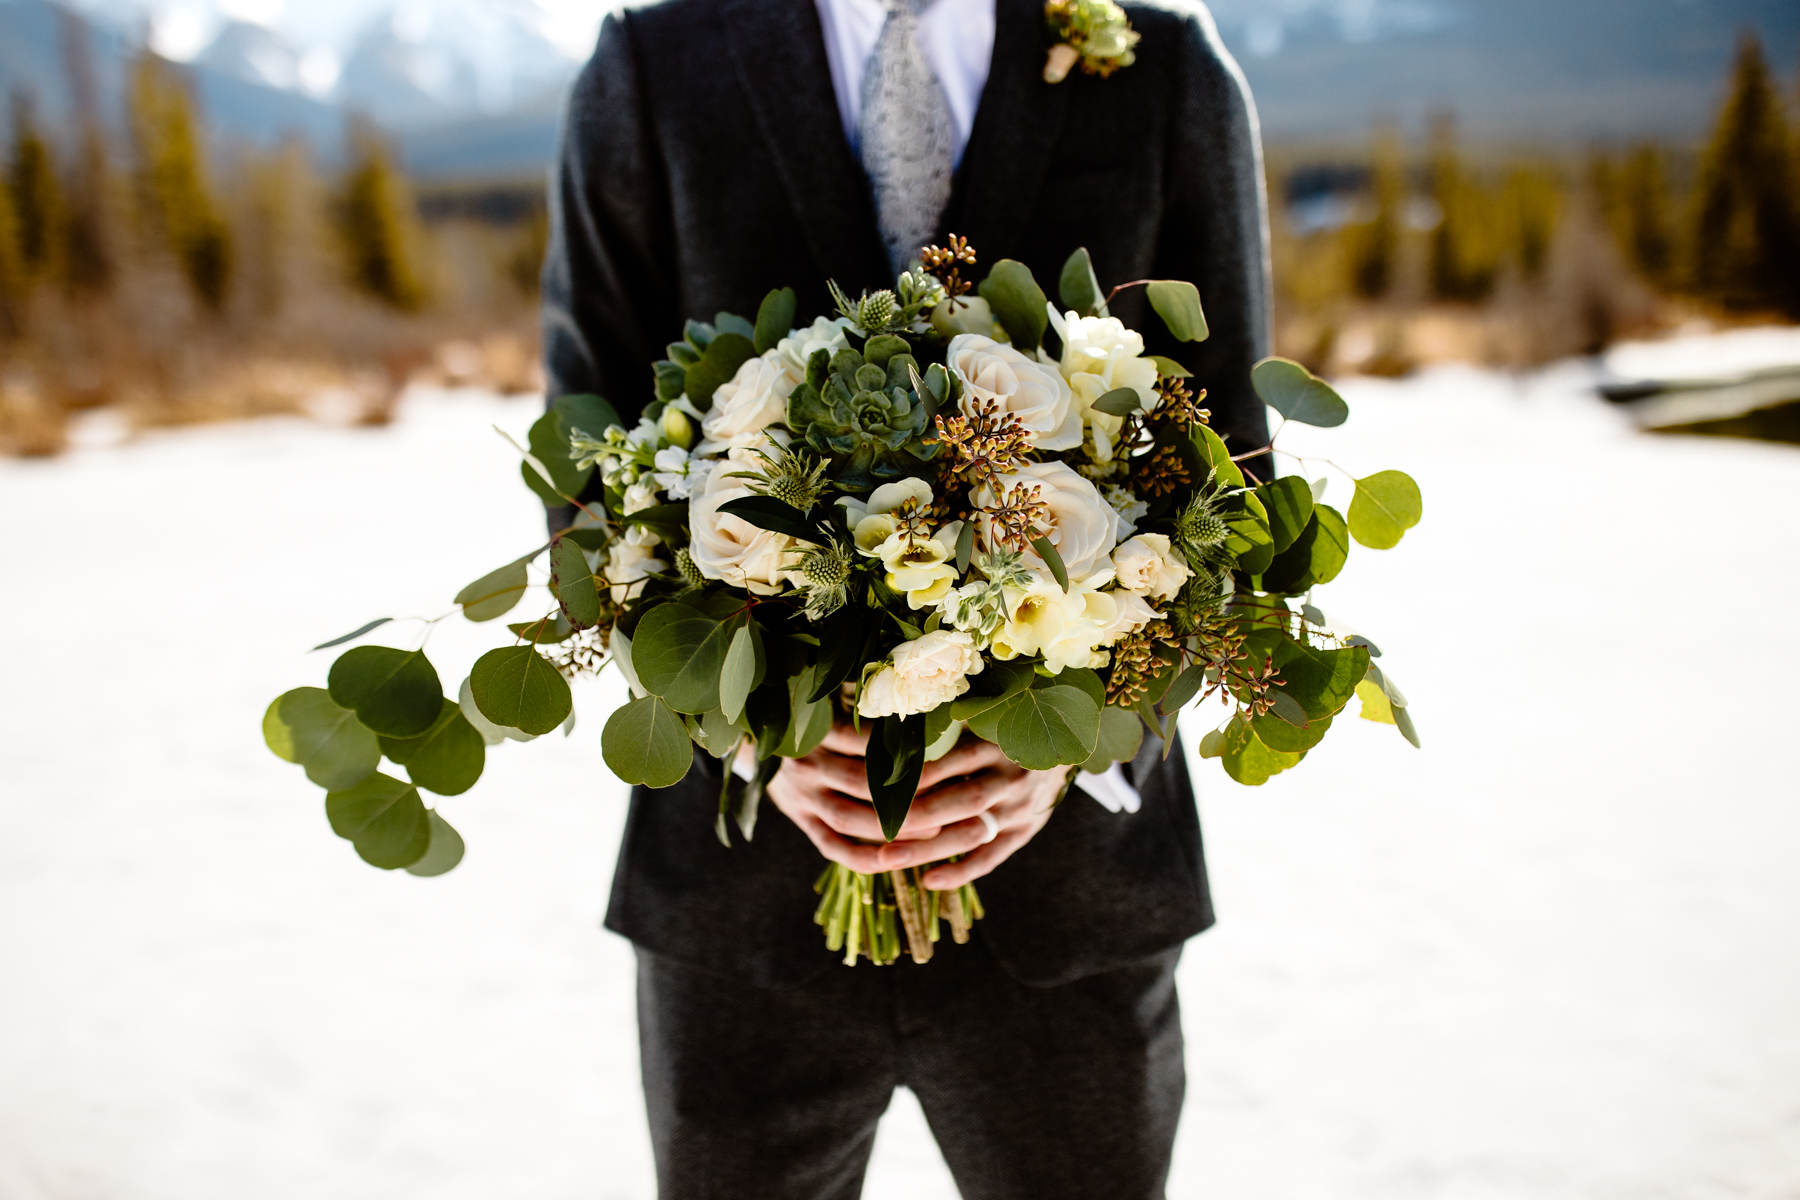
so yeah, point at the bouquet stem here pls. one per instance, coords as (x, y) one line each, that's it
(875, 916)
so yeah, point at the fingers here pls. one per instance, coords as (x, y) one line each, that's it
(805, 809)
(960, 838)
(823, 769)
(984, 859)
(971, 755)
(959, 800)
(847, 739)
(858, 856)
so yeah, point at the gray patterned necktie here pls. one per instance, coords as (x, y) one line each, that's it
(907, 140)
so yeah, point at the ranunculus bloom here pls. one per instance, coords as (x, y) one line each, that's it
(926, 672)
(1034, 392)
(1149, 564)
(1101, 355)
(730, 548)
(1083, 526)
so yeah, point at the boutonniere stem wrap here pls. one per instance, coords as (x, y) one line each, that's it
(1091, 34)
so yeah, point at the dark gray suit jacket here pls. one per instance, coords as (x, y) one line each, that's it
(703, 162)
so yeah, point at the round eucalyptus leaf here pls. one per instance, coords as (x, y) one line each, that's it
(443, 853)
(1047, 727)
(1254, 764)
(1322, 680)
(738, 674)
(494, 594)
(1316, 556)
(1277, 734)
(308, 727)
(1297, 394)
(491, 734)
(1213, 453)
(1177, 302)
(645, 743)
(1017, 302)
(447, 758)
(678, 653)
(1077, 288)
(383, 818)
(1121, 733)
(515, 686)
(573, 585)
(1289, 502)
(1385, 506)
(393, 692)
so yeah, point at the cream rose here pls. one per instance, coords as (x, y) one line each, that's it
(747, 404)
(797, 348)
(1149, 564)
(730, 548)
(630, 561)
(1101, 355)
(925, 673)
(1083, 526)
(1034, 392)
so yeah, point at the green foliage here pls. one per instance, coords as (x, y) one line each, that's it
(678, 652)
(1289, 503)
(737, 676)
(496, 593)
(1385, 506)
(1053, 726)
(1316, 556)
(515, 687)
(1121, 733)
(724, 354)
(377, 623)
(1745, 235)
(645, 743)
(14, 283)
(1321, 680)
(1639, 205)
(774, 318)
(860, 412)
(173, 191)
(443, 853)
(1178, 304)
(447, 758)
(573, 584)
(1077, 287)
(1018, 303)
(1531, 203)
(307, 727)
(394, 692)
(378, 225)
(895, 761)
(384, 819)
(36, 196)
(1297, 394)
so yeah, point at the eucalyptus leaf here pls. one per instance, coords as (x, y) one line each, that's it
(1297, 394)
(514, 686)
(678, 653)
(1053, 560)
(1316, 556)
(1168, 368)
(444, 850)
(1120, 402)
(447, 758)
(573, 584)
(394, 692)
(1121, 733)
(1041, 728)
(1254, 764)
(496, 593)
(1375, 706)
(1289, 502)
(1278, 735)
(1185, 687)
(775, 318)
(1214, 454)
(377, 623)
(1077, 287)
(547, 630)
(718, 363)
(965, 546)
(896, 759)
(1385, 506)
(383, 818)
(547, 445)
(306, 726)
(1178, 304)
(645, 743)
(491, 734)
(1018, 303)
(1322, 680)
(738, 674)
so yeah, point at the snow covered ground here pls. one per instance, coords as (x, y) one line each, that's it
(1553, 955)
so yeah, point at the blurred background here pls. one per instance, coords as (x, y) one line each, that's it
(267, 275)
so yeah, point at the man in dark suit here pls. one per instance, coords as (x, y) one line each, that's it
(709, 154)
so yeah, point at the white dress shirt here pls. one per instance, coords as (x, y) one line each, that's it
(957, 38)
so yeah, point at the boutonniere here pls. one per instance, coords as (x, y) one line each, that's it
(1093, 34)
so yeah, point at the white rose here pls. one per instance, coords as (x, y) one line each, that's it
(926, 672)
(632, 560)
(730, 548)
(747, 404)
(1149, 564)
(1083, 526)
(797, 348)
(1101, 355)
(1034, 392)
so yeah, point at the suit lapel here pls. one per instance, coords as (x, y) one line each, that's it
(1016, 129)
(779, 53)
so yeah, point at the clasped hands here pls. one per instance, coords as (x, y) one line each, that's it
(826, 794)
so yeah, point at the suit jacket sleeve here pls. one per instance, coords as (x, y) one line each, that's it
(1215, 233)
(608, 300)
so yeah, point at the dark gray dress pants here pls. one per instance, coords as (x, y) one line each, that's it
(774, 1093)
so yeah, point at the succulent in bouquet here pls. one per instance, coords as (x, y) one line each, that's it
(947, 510)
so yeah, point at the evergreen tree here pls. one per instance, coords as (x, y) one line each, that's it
(1374, 246)
(13, 282)
(1744, 240)
(178, 205)
(1644, 219)
(1465, 252)
(36, 199)
(379, 225)
(89, 240)
(1533, 202)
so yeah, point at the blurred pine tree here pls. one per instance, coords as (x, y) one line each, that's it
(1645, 216)
(1465, 246)
(36, 198)
(1374, 245)
(177, 203)
(379, 224)
(14, 285)
(1744, 239)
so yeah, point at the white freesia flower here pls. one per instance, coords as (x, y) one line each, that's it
(1130, 508)
(1066, 628)
(674, 472)
(1100, 355)
(631, 560)
(1149, 564)
(872, 521)
(747, 404)
(925, 673)
(638, 497)
(797, 348)
(920, 568)
(1083, 526)
(729, 548)
(1034, 392)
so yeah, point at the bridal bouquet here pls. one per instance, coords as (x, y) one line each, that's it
(947, 510)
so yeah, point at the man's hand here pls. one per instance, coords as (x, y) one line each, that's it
(826, 794)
